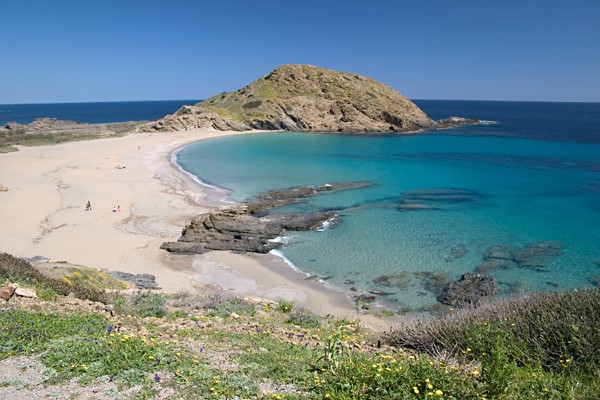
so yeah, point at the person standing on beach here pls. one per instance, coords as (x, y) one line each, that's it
(88, 206)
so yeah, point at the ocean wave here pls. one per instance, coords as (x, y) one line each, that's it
(281, 239)
(286, 260)
(326, 224)
(487, 122)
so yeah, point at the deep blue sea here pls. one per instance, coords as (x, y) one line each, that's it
(517, 197)
(93, 113)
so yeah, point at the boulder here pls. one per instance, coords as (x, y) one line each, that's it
(140, 281)
(469, 290)
(26, 292)
(7, 292)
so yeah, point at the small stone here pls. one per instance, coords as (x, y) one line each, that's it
(25, 292)
(7, 292)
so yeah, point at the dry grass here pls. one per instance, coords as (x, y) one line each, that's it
(545, 329)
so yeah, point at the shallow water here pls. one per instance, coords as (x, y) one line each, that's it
(514, 191)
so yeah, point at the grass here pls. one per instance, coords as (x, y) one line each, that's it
(220, 347)
(16, 270)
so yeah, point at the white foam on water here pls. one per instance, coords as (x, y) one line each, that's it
(216, 193)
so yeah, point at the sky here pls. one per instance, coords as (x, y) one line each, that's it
(129, 50)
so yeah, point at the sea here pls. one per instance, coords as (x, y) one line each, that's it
(516, 197)
(93, 113)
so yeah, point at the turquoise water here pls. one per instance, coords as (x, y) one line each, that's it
(521, 191)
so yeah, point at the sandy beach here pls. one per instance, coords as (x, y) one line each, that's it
(44, 214)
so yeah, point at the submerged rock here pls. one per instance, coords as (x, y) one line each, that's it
(469, 290)
(399, 279)
(492, 264)
(457, 252)
(498, 252)
(434, 199)
(434, 282)
(537, 255)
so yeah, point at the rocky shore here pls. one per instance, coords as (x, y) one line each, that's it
(251, 227)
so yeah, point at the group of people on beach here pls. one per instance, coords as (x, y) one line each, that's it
(88, 207)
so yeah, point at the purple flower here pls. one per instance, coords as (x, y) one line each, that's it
(201, 349)
(110, 329)
(156, 378)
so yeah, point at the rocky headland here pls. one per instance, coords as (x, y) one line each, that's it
(249, 227)
(306, 98)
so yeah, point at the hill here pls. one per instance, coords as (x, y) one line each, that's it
(304, 98)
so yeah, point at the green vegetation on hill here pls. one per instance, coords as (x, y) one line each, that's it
(218, 347)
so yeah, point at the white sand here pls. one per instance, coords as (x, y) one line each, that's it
(43, 213)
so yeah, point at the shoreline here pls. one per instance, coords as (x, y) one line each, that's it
(44, 214)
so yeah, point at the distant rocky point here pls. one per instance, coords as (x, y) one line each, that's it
(308, 99)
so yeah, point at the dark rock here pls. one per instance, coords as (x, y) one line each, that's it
(457, 252)
(434, 199)
(441, 195)
(248, 227)
(399, 279)
(415, 207)
(537, 255)
(492, 264)
(595, 280)
(364, 298)
(470, 290)
(141, 281)
(498, 252)
(456, 121)
(434, 282)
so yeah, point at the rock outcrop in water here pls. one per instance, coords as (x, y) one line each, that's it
(469, 290)
(310, 99)
(248, 227)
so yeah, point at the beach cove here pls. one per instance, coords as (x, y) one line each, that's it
(44, 213)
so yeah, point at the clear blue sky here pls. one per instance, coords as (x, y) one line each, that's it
(74, 51)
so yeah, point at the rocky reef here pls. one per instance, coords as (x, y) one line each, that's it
(435, 199)
(250, 227)
(469, 290)
(308, 99)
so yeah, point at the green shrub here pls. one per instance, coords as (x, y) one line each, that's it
(17, 270)
(542, 329)
(219, 306)
(285, 306)
(149, 304)
(304, 318)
